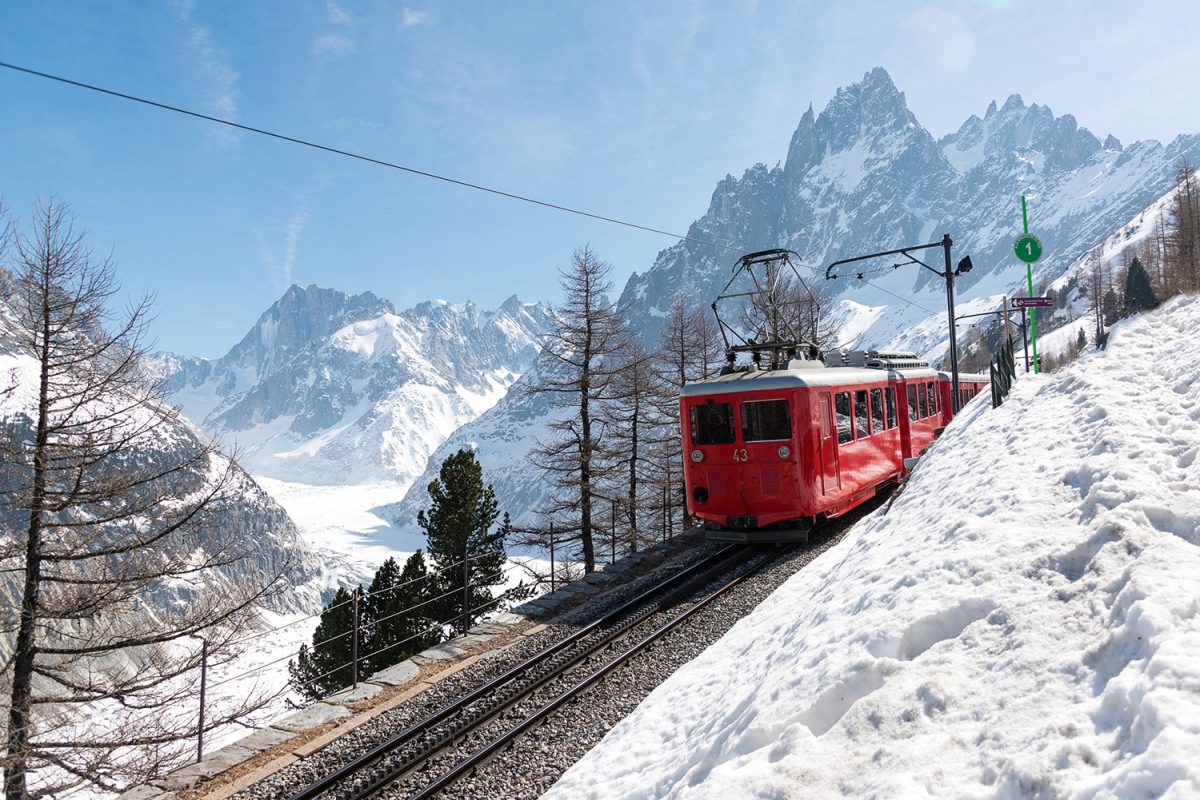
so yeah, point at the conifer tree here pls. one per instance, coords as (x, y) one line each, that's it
(1139, 295)
(458, 527)
(376, 598)
(108, 505)
(406, 623)
(327, 666)
(633, 421)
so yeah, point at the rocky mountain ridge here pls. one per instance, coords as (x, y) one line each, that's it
(863, 176)
(330, 388)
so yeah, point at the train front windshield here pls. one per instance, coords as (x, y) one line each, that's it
(761, 421)
(766, 421)
(712, 423)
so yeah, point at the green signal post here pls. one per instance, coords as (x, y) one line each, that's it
(1029, 249)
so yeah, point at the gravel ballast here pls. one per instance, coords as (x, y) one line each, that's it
(538, 758)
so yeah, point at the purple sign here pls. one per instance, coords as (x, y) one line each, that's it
(1032, 302)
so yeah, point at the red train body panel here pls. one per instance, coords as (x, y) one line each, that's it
(768, 453)
(969, 385)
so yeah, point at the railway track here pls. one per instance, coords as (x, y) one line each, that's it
(407, 754)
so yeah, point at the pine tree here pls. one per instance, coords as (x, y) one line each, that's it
(458, 527)
(1081, 340)
(406, 623)
(379, 592)
(1139, 295)
(327, 666)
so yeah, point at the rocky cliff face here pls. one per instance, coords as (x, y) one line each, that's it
(329, 388)
(864, 176)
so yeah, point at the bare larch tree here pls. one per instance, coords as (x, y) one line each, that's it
(632, 420)
(111, 506)
(689, 349)
(582, 350)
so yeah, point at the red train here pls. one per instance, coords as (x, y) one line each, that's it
(770, 452)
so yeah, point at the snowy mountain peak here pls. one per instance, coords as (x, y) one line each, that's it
(331, 387)
(1057, 143)
(871, 113)
(301, 315)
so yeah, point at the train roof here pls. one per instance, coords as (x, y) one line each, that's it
(799, 378)
(973, 377)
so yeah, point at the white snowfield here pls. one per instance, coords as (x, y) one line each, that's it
(1023, 621)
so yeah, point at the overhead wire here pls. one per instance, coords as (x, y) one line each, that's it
(359, 157)
(390, 164)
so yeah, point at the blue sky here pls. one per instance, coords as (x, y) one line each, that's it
(629, 109)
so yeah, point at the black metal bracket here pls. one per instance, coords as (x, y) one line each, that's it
(948, 275)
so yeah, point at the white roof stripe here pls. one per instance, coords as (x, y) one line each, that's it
(800, 378)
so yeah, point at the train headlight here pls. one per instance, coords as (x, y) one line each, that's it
(784, 451)
(697, 456)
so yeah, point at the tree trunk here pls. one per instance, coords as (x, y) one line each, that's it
(17, 749)
(585, 480)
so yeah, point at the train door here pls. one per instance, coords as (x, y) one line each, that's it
(827, 447)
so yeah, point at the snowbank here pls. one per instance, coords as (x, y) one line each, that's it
(1024, 621)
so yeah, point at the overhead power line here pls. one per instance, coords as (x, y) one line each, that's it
(389, 164)
(359, 157)
(898, 297)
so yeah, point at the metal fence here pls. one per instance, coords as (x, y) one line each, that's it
(356, 599)
(1003, 371)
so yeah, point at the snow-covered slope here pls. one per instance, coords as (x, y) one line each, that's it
(248, 515)
(328, 388)
(502, 438)
(1021, 622)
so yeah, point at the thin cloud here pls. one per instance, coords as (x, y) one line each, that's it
(279, 267)
(213, 63)
(333, 44)
(411, 17)
(337, 14)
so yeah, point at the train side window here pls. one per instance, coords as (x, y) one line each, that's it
(841, 404)
(912, 402)
(712, 423)
(890, 394)
(862, 419)
(923, 403)
(766, 421)
(932, 392)
(876, 410)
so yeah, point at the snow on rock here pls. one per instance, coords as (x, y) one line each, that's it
(1022, 621)
(334, 389)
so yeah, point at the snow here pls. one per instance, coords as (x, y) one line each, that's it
(967, 158)
(856, 319)
(1037, 639)
(341, 521)
(844, 169)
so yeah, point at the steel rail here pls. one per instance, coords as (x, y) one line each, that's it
(658, 592)
(485, 753)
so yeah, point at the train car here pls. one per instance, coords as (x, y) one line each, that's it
(969, 385)
(769, 452)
